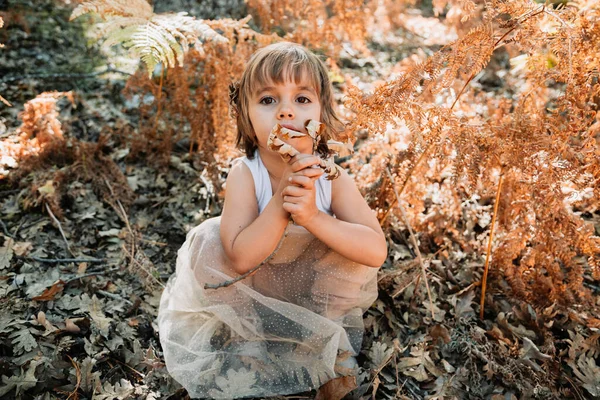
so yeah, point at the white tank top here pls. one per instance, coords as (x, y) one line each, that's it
(264, 192)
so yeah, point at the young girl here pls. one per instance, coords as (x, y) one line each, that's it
(297, 322)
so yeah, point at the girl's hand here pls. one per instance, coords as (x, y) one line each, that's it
(299, 197)
(302, 162)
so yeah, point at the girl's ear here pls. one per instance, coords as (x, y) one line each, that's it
(234, 93)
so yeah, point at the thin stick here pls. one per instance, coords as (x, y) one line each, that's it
(489, 248)
(67, 260)
(414, 241)
(6, 230)
(139, 264)
(250, 272)
(78, 277)
(59, 228)
(78, 378)
(114, 296)
(60, 75)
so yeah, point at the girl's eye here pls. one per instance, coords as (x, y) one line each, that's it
(303, 100)
(267, 100)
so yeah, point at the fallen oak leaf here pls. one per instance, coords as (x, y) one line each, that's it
(50, 293)
(336, 388)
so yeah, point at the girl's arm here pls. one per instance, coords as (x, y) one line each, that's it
(247, 237)
(355, 233)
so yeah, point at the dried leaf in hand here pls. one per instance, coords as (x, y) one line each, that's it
(315, 129)
(289, 133)
(274, 143)
(336, 388)
(330, 168)
(340, 148)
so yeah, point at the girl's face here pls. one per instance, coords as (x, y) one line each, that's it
(288, 104)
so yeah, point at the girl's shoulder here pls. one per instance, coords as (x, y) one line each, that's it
(239, 176)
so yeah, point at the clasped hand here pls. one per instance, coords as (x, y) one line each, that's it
(299, 193)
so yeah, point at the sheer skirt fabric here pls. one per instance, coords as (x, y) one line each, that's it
(289, 328)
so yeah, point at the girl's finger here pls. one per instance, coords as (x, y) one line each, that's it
(290, 207)
(295, 191)
(292, 199)
(310, 172)
(302, 181)
(304, 161)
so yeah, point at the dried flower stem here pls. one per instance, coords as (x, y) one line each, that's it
(414, 241)
(489, 248)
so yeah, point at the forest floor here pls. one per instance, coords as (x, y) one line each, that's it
(79, 296)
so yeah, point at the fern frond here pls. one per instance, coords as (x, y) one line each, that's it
(123, 8)
(155, 38)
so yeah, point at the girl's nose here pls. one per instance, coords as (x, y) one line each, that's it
(285, 112)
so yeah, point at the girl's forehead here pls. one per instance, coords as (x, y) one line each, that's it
(298, 75)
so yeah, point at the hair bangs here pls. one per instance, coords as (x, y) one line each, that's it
(286, 67)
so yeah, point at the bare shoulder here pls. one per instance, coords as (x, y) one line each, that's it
(240, 207)
(239, 177)
(348, 203)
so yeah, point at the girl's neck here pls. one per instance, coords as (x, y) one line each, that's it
(273, 163)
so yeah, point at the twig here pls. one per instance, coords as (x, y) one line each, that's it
(232, 281)
(250, 272)
(59, 228)
(6, 230)
(28, 225)
(78, 379)
(134, 261)
(114, 296)
(61, 75)
(489, 248)
(78, 277)
(6, 102)
(404, 288)
(414, 241)
(66, 260)
(595, 288)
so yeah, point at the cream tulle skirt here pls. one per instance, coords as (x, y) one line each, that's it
(292, 326)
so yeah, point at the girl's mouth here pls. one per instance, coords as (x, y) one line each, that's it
(290, 127)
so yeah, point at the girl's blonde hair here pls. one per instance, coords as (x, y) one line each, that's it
(278, 63)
